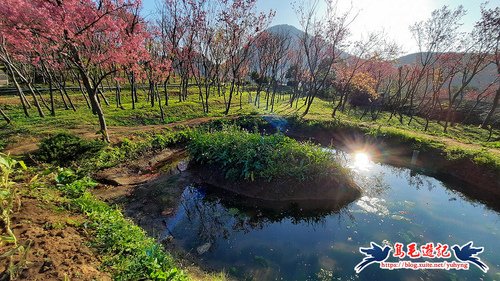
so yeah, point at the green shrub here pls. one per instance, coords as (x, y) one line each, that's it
(250, 156)
(249, 123)
(63, 149)
(129, 150)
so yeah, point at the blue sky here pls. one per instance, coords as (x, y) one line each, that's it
(391, 16)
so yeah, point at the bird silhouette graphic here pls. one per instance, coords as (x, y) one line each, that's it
(467, 253)
(373, 254)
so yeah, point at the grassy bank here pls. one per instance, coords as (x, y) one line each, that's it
(452, 151)
(82, 121)
(89, 156)
(127, 252)
(124, 250)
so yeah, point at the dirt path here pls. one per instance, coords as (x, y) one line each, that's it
(117, 133)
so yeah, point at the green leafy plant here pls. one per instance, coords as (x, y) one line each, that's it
(8, 193)
(72, 186)
(8, 197)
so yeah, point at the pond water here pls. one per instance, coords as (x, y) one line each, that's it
(398, 205)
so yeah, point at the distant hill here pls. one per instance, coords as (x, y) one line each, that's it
(286, 29)
(295, 34)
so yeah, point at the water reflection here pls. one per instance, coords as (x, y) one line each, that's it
(398, 205)
(212, 214)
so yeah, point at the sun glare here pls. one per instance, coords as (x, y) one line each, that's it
(361, 160)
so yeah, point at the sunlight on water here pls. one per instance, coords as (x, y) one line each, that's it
(361, 161)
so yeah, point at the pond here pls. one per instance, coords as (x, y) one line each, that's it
(398, 205)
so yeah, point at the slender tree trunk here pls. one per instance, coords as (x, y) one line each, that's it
(22, 97)
(165, 88)
(309, 102)
(162, 113)
(33, 94)
(273, 97)
(152, 93)
(5, 117)
(336, 108)
(51, 94)
(228, 105)
(66, 107)
(118, 91)
(240, 93)
(132, 89)
(492, 110)
(101, 93)
(63, 88)
(37, 104)
(39, 94)
(83, 93)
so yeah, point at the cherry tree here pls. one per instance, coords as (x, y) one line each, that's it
(93, 36)
(323, 39)
(241, 24)
(487, 29)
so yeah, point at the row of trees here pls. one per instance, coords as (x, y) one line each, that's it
(435, 85)
(222, 44)
(92, 42)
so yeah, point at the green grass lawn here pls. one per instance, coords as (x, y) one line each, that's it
(144, 114)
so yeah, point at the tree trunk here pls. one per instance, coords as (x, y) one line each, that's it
(51, 94)
(228, 105)
(492, 111)
(63, 88)
(37, 104)
(21, 94)
(162, 113)
(165, 88)
(308, 106)
(5, 117)
(101, 93)
(96, 106)
(118, 92)
(83, 93)
(132, 89)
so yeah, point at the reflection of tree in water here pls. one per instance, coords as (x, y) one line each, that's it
(211, 221)
(373, 185)
(218, 216)
(412, 177)
(418, 181)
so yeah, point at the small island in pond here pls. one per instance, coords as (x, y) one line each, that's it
(273, 168)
